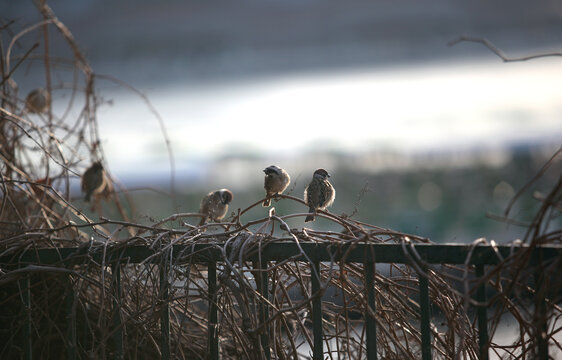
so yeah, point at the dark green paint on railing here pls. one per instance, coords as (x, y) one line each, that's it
(425, 316)
(117, 324)
(370, 320)
(165, 315)
(318, 348)
(213, 312)
(25, 292)
(205, 253)
(541, 324)
(482, 315)
(70, 318)
(262, 284)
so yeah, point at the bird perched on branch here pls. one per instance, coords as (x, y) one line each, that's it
(319, 194)
(276, 181)
(215, 205)
(37, 101)
(93, 180)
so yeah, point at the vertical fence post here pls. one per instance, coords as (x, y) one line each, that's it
(318, 350)
(164, 268)
(117, 325)
(213, 315)
(26, 330)
(482, 314)
(541, 327)
(424, 305)
(371, 323)
(70, 314)
(262, 282)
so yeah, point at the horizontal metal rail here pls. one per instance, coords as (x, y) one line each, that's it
(278, 251)
(418, 255)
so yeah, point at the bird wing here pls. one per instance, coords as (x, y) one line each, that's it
(330, 194)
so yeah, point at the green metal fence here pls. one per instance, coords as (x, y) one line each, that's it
(418, 256)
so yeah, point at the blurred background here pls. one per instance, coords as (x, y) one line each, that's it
(418, 136)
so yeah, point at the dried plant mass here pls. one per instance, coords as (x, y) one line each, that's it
(85, 302)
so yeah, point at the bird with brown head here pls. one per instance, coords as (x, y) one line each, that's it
(93, 180)
(275, 182)
(37, 101)
(215, 205)
(319, 194)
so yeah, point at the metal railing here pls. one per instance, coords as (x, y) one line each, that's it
(415, 255)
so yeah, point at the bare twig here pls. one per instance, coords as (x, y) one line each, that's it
(500, 53)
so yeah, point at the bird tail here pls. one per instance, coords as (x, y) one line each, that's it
(202, 222)
(266, 202)
(310, 217)
(87, 197)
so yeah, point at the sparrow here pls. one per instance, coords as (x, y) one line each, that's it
(215, 205)
(93, 180)
(37, 101)
(276, 181)
(319, 194)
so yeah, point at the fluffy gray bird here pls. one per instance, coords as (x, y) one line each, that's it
(319, 194)
(37, 101)
(93, 180)
(276, 181)
(215, 205)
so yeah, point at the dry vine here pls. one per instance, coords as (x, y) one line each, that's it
(43, 152)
